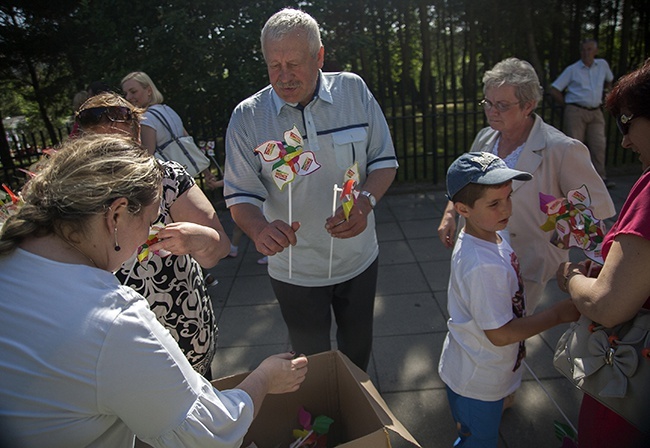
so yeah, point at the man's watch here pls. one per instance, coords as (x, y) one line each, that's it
(370, 197)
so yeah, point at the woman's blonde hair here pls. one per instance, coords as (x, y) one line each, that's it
(80, 181)
(145, 81)
(108, 99)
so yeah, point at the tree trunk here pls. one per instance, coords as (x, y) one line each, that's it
(38, 94)
(626, 29)
(530, 40)
(425, 73)
(470, 77)
(5, 154)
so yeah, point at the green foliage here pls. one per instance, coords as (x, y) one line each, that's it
(205, 57)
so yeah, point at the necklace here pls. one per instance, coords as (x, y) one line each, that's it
(81, 252)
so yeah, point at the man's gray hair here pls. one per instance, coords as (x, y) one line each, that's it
(517, 73)
(287, 21)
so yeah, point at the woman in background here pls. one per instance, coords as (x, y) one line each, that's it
(173, 285)
(140, 90)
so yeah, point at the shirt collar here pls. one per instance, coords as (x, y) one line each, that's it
(322, 92)
(583, 65)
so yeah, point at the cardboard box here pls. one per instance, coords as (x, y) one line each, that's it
(334, 387)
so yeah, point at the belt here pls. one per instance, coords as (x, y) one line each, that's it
(583, 107)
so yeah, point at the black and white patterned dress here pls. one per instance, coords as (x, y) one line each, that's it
(174, 285)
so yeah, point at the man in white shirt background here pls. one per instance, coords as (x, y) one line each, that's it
(580, 88)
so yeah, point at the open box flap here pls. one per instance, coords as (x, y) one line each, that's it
(379, 405)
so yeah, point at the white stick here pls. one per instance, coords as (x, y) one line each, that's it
(336, 189)
(551, 398)
(299, 442)
(130, 271)
(290, 223)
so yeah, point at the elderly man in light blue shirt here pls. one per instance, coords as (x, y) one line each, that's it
(319, 261)
(584, 82)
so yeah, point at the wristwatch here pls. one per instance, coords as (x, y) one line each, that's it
(370, 197)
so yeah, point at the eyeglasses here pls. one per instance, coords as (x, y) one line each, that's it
(623, 123)
(500, 106)
(93, 115)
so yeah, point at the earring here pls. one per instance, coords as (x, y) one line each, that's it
(117, 245)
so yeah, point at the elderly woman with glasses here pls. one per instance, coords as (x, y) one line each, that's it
(170, 277)
(558, 164)
(622, 286)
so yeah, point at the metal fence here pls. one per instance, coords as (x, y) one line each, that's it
(426, 142)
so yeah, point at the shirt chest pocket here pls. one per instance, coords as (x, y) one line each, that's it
(350, 146)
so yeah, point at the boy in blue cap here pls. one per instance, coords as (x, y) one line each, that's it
(484, 346)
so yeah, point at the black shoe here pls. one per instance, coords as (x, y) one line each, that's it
(210, 280)
(609, 184)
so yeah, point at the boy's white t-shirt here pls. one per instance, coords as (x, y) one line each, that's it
(482, 283)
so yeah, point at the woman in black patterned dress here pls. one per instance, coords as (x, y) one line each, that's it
(172, 284)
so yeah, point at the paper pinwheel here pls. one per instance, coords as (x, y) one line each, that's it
(348, 197)
(573, 222)
(291, 160)
(10, 203)
(348, 193)
(313, 434)
(144, 254)
(289, 157)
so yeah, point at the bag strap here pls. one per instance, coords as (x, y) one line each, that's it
(165, 123)
(160, 148)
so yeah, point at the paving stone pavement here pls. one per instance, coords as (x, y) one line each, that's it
(410, 316)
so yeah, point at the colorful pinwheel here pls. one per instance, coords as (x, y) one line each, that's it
(348, 197)
(348, 193)
(10, 203)
(144, 254)
(313, 433)
(573, 222)
(290, 158)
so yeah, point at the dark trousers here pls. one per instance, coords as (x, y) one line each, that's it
(307, 311)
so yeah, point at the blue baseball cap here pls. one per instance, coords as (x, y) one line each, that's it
(480, 168)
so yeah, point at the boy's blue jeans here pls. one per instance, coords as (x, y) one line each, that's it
(477, 421)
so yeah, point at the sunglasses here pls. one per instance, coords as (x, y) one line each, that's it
(500, 106)
(623, 123)
(93, 115)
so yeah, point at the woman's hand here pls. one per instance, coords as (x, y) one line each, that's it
(277, 374)
(195, 216)
(447, 227)
(184, 238)
(284, 373)
(567, 270)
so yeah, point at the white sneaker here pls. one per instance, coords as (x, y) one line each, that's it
(234, 251)
(210, 280)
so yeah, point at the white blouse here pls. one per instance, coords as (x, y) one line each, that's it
(84, 362)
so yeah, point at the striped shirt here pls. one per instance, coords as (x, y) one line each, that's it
(342, 125)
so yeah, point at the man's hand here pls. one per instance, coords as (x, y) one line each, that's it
(269, 237)
(276, 236)
(339, 227)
